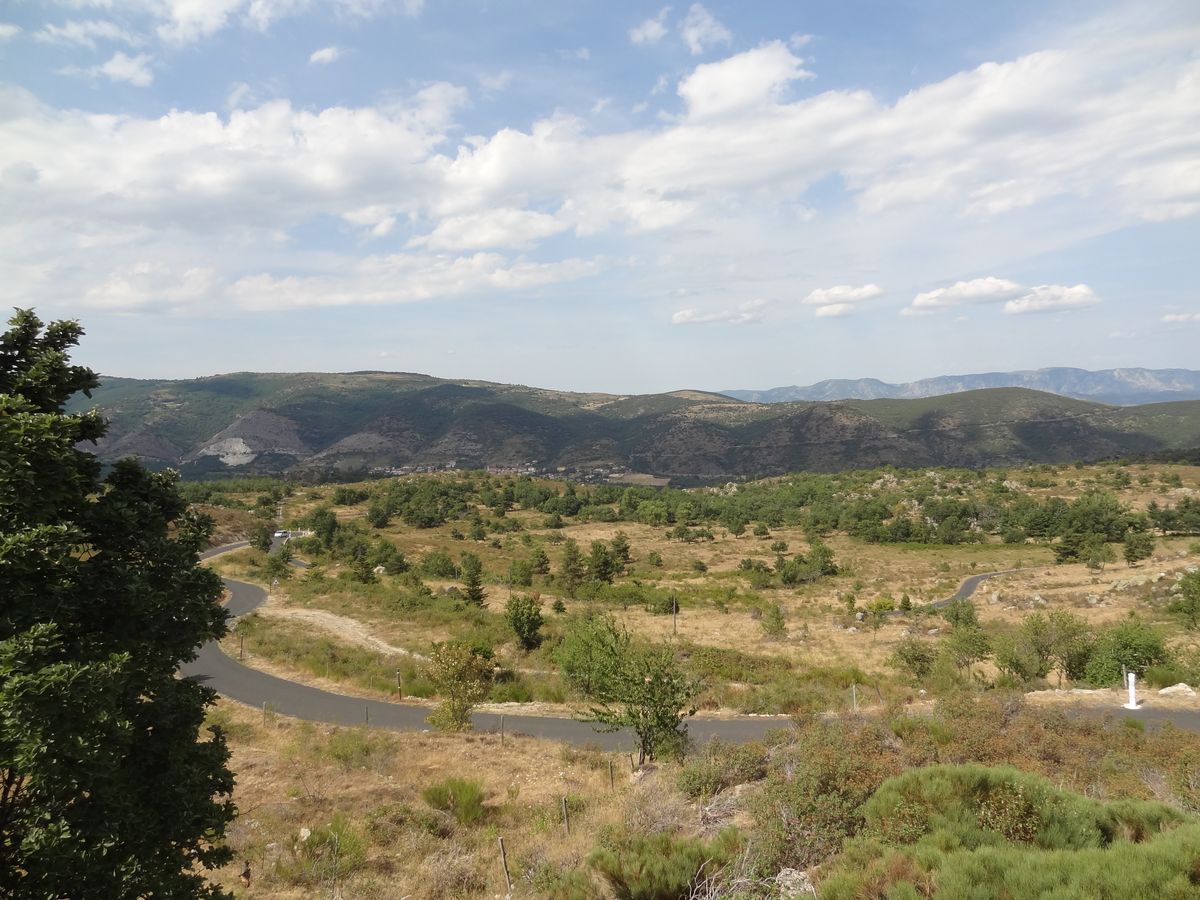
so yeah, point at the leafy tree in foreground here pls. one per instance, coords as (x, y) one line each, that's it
(629, 685)
(105, 788)
(462, 678)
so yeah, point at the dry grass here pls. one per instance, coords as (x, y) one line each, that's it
(293, 776)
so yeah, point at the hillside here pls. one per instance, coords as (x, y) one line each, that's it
(1120, 387)
(271, 423)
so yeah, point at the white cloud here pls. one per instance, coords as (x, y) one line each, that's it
(747, 313)
(834, 310)
(1182, 317)
(1017, 300)
(842, 293)
(651, 31)
(495, 82)
(8, 31)
(700, 30)
(971, 173)
(978, 290)
(324, 56)
(239, 94)
(132, 69)
(1052, 298)
(840, 300)
(85, 33)
(518, 228)
(745, 82)
(186, 21)
(403, 278)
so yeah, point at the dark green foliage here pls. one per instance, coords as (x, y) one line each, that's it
(261, 536)
(524, 617)
(105, 789)
(1139, 545)
(960, 612)
(661, 866)
(972, 831)
(348, 496)
(914, 656)
(629, 685)
(472, 576)
(774, 625)
(1129, 645)
(571, 569)
(601, 565)
(1187, 604)
(461, 797)
(436, 564)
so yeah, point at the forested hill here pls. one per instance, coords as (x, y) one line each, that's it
(1122, 387)
(271, 423)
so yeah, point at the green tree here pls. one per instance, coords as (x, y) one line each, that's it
(629, 685)
(378, 515)
(1139, 545)
(621, 550)
(539, 562)
(105, 789)
(461, 677)
(472, 577)
(1130, 645)
(524, 617)
(261, 536)
(1187, 604)
(601, 566)
(278, 564)
(914, 656)
(774, 624)
(967, 645)
(570, 570)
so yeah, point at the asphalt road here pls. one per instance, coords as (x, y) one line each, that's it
(232, 679)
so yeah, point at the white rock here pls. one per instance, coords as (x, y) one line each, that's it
(793, 884)
(1177, 690)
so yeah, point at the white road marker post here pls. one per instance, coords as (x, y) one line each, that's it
(1131, 680)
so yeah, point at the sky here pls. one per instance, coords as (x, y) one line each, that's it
(605, 195)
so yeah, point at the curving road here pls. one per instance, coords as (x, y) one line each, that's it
(232, 679)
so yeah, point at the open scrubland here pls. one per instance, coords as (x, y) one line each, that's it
(801, 596)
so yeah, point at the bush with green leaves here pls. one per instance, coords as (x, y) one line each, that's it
(974, 831)
(1131, 645)
(462, 678)
(524, 617)
(661, 866)
(460, 797)
(914, 656)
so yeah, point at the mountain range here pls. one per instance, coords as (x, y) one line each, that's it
(1119, 387)
(387, 421)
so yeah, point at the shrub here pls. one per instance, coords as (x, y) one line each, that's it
(461, 797)
(1132, 645)
(661, 866)
(524, 617)
(462, 678)
(329, 853)
(720, 766)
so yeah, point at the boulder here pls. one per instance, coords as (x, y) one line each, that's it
(1177, 690)
(793, 884)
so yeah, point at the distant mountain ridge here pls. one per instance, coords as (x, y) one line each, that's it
(1118, 387)
(249, 423)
